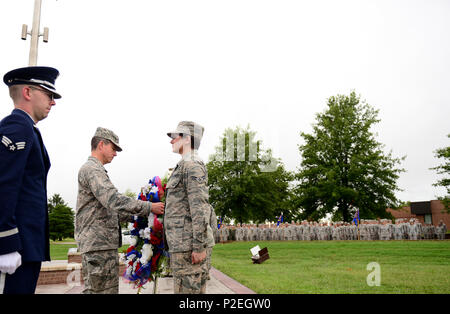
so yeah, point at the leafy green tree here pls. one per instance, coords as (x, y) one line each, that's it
(61, 219)
(343, 167)
(245, 182)
(444, 169)
(55, 200)
(130, 193)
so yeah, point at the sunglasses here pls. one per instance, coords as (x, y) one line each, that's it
(50, 95)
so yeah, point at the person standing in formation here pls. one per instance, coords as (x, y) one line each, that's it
(441, 230)
(380, 229)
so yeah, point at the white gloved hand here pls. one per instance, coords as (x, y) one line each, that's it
(10, 262)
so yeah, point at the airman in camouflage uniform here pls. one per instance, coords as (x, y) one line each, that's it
(244, 232)
(239, 234)
(303, 230)
(247, 233)
(225, 233)
(270, 232)
(343, 231)
(262, 233)
(405, 228)
(275, 232)
(426, 232)
(298, 231)
(432, 231)
(413, 231)
(335, 232)
(441, 230)
(354, 232)
(307, 232)
(188, 234)
(375, 235)
(363, 232)
(321, 234)
(99, 204)
(267, 233)
(259, 233)
(253, 233)
(222, 227)
(429, 231)
(398, 234)
(280, 231)
(370, 230)
(285, 233)
(232, 233)
(385, 230)
(420, 229)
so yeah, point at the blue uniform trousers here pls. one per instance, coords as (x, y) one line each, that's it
(23, 281)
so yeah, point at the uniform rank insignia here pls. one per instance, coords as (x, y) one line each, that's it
(12, 146)
(199, 179)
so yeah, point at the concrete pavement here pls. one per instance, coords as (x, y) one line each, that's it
(218, 284)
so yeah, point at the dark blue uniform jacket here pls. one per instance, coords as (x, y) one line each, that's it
(24, 164)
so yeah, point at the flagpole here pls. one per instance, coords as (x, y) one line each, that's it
(35, 33)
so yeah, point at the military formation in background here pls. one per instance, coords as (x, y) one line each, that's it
(384, 229)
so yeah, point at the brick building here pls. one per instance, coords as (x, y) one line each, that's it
(429, 212)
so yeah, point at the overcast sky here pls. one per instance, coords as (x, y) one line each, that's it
(140, 67)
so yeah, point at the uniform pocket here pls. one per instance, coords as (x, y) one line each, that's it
(174, 182)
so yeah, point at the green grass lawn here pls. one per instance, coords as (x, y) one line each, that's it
(330, 266)
(338, 266)
(59, 250)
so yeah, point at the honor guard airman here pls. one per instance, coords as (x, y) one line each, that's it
(24, 232)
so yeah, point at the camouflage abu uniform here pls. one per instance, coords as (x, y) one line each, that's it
(97, 225)
(187, 220)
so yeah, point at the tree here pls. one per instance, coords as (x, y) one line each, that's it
(61, 219)
(245, 182)
(445, 170)
(55, 200)
(343, 167)
(130, 193)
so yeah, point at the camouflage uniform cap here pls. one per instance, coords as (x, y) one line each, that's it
(108, 135)
(188, 128)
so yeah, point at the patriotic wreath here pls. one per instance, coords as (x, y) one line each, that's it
(146, 259)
